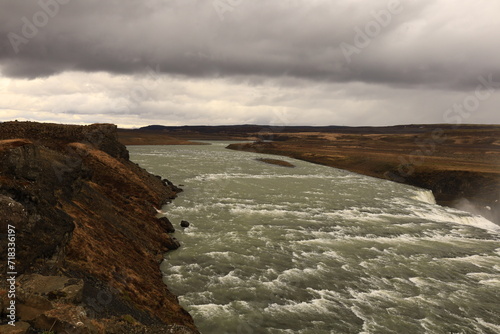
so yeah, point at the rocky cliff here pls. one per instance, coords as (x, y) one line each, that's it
(87, 242)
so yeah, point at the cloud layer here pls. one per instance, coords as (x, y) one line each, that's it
(319, 57)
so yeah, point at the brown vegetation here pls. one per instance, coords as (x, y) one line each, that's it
(455, 163)
(83, 211)
(131, 137)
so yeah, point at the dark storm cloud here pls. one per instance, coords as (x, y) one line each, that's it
(432, 43)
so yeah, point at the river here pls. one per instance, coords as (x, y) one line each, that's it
(314, 249)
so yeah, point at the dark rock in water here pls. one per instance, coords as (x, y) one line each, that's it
(184, 223)
(173, 244)
(167, 225)
(171, 185)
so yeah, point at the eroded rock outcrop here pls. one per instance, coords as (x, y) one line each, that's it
(84, 218)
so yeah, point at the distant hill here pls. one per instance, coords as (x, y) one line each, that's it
(254, 128)
(149, 134)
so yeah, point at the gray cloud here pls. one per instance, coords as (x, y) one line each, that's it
(139, 100)
(288, 62)
(439, 44)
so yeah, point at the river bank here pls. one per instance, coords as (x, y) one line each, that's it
(460, 166)
(135, 137)
(88, 244)
(459, 163)
(315, 249)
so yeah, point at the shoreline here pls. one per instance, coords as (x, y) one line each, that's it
(459, 163)
(88, 242)
(467, 185)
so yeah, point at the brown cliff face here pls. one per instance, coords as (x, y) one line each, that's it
(83, 210)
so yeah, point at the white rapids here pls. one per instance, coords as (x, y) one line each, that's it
(314, 249)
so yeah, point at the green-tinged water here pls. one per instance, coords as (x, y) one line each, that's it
(313, 249)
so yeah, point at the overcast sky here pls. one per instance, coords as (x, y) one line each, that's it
(288, 62)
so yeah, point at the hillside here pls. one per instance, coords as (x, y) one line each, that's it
(88, 244)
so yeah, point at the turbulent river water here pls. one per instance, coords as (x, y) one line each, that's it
(314, 249)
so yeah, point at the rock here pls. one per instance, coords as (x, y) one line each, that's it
(171, 185)
(184, 223)
(3, 302)
(41, 225)
(173, 243)
(50, 288)
(102, 136)
(19, 327)
(13, 213)
(166, 224)
(30, 313)
(38, 294)
(66, 318)
(82, 208)
(177, 329)
(120, 327)
(31, 306)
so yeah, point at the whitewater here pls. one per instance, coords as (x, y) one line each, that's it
(314, 249)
